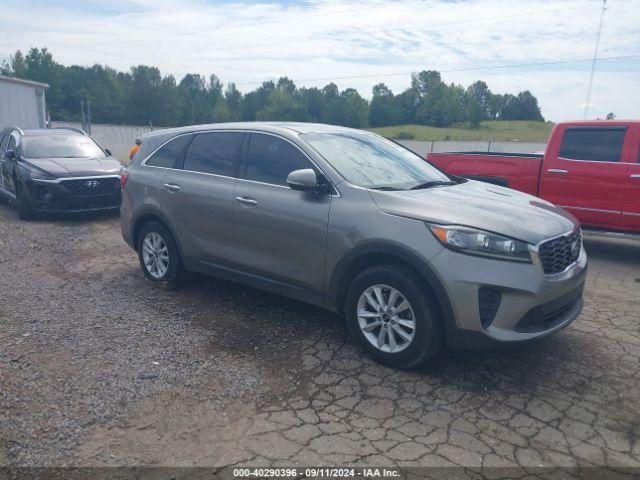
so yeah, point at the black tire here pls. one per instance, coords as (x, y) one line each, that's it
(23, 203)
(428, 336)
(174, 272)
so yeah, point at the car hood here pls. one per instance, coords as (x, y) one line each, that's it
(480, 205)
(76, 167)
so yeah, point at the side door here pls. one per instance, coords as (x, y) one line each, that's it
(199, 195)
(631, 205)
(583, 173)
(4, 139)
(280, 233)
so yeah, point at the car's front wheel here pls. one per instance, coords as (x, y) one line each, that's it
(392, 317)
(158, 254)
(23, 203)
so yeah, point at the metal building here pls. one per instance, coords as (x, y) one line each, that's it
(22, 103)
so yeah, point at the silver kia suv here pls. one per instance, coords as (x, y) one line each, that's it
(414, 258)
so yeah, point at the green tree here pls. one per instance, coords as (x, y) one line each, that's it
(16, 66)
(408, 102)
(384, 108)
(233, 98)
(474, 113)
(282, 105)
(195, 107)
(256, 100)
(142, 96)
(312, 99)
(479, 97)
(354, 109)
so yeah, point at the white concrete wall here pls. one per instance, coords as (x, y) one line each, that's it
(117, 138)
(21, 105)
(120, 138)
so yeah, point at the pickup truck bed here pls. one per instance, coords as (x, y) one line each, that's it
(517, 171)
(590, 168)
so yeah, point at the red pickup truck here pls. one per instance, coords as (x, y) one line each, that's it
(590, 168)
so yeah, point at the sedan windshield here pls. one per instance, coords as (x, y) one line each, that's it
(57, 145)
(371, 161)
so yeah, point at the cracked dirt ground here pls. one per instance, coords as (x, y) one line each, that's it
(99, 368)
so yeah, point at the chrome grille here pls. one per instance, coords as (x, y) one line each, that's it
(557, 254)
(91, 187)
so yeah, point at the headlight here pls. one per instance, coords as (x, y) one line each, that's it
(29, 171)
(478, 242)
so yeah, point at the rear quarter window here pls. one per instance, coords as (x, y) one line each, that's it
(593, 144)
(170, 153)
(216, 153)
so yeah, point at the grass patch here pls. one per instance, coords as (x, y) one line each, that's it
(500, 131)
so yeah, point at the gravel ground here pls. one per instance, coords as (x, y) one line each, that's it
(99, 368)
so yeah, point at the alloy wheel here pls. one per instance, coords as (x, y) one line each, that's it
(155, 255)
(386, 318)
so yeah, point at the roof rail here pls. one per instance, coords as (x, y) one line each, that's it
(70, 128)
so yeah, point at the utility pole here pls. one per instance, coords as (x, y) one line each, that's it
(83, 116)
(88, 117)
(595, 58)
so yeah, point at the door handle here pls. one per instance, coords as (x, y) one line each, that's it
(247, 201)
(172, 187)
(558, 170)
(635, 175)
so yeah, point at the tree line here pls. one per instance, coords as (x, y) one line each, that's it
(144, 96)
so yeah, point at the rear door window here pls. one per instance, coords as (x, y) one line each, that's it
(170, 154)
(593, 144)
(215, 153)
(271, 159)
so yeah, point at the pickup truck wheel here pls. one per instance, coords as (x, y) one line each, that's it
(158, 255)
(23, 204)
(392, 318)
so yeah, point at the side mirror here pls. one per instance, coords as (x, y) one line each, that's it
(304, 180)
(10, 154)
(108, 152)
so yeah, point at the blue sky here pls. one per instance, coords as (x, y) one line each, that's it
(368, 41)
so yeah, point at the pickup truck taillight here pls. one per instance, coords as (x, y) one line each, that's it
(124, 176)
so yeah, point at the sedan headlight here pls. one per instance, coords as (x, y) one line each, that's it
(29, 171)
(478, 242)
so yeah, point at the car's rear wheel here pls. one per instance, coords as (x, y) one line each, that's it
(392, 317)
(23, 203)
(158, 254)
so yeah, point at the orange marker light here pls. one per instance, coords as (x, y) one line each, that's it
(441, 233)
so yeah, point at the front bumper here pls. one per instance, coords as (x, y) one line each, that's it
(524, 304)
(69, 195)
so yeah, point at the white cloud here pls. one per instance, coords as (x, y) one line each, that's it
(249, 42)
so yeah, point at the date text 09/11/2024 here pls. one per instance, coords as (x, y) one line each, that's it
(322, 472)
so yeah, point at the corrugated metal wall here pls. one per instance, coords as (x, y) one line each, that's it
(120, 138)
(21, 105)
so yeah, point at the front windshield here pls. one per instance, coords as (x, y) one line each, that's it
(371, 161)
(59, 145)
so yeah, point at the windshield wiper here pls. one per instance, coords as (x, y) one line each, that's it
(433, 183)
(385, 188)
